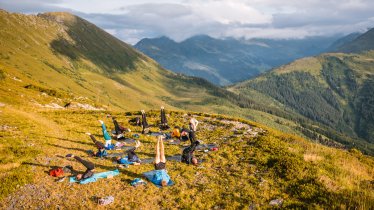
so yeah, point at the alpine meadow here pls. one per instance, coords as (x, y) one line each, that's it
(299, 136)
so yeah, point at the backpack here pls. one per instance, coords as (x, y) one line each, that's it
(56, 172)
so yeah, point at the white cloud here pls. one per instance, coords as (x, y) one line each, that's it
(132, 20)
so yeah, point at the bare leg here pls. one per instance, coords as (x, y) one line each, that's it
(157, 158)
(162, 152)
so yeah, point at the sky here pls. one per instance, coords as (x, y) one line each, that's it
(132, 20)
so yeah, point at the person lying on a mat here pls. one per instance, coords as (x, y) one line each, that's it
(161, 177)
(119, 130)
(144, 123)
(108, 139)
(187, 135)
(89, 167)
(176, 133)
(131, 156)
(187, 154)
(100, 146)
(164, 122)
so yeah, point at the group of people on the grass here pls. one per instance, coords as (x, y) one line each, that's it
(160, 176)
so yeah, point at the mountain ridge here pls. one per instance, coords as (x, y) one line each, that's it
(229, 60)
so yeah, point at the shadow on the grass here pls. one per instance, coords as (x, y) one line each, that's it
(69, 140)
(146, 154)
(69, 148)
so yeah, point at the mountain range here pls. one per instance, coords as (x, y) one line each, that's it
(229, 60)
(59, 74)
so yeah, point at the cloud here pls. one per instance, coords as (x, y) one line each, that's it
(132, 20)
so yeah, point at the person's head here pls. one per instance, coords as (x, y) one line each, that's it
(79, 176)
(117, 158)
(189, 114)
(164, 183)
(184, 133)
(194, 161)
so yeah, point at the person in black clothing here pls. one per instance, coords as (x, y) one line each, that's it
(119, 130)
(131, 156)
(89, 167)
(187, 135)
(164, 122)
(100, 146)
(187, 154)
(144, 123)
(135, 121)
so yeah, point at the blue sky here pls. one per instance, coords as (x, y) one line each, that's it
(132, 20)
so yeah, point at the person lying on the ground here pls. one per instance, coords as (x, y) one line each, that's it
(187, 135)
(193, 123)
(100, 146)
(164, 122)
(187, 154)
(119, 130)
(132, 157)
(108, 139)
(135, 121)
(144, 123)
(89, 167)
(176, 132)
(160, 177)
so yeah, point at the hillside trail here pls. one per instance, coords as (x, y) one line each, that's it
(50, 133)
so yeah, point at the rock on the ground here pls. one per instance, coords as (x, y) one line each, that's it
(276, 202)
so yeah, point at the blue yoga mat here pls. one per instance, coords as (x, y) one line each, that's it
(96, 176)
(149, 175)
(125, 161)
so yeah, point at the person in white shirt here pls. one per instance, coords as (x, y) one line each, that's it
(193, 123)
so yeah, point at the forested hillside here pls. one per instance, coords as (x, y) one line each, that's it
(333, 91)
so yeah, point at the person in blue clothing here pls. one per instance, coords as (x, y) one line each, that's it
(100, 146)
(160, 177)
(108, 139)
(132, 157)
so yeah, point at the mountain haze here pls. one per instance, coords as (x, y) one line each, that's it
(225, 61)
(364, 42)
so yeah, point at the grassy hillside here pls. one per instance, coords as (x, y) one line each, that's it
(332, 91)
(72, 57)
(253, 166)
(61, 58)
(54, 60)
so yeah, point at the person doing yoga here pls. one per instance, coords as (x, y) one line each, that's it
(132, 157)
(100, 146)
(161, 177)
(187, 154)
(144, 123)
(89, 167)
(164, 122)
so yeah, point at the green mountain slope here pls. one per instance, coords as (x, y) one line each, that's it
(363, 42)
(54, 60)
(70, 56)
(333, 91)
